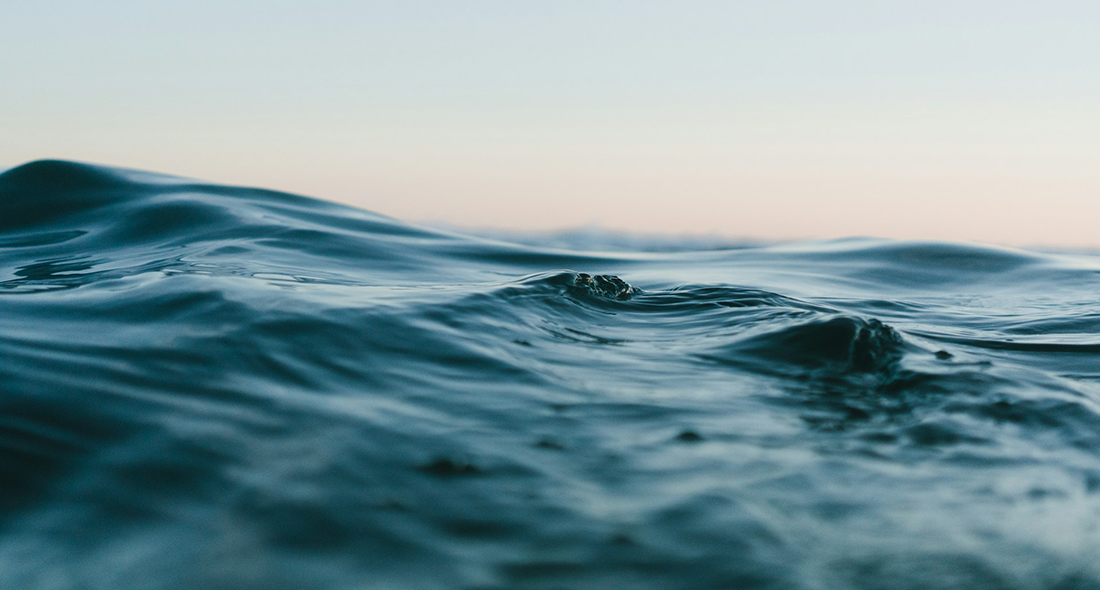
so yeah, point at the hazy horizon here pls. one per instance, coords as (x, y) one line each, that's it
(784, 121)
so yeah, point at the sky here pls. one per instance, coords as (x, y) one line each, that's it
(787, 119)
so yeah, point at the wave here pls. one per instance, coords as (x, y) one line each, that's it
(216, 386)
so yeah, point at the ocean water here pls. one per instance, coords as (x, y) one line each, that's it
(216, 387)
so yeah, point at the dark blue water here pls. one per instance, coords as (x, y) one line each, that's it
(215, 387)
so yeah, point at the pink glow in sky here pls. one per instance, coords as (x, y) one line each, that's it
(970, 121)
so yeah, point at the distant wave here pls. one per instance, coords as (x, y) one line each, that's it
(207, 386)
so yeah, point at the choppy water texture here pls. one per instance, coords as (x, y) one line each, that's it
(227, 388)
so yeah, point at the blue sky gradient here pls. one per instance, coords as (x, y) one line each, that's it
(789, 119)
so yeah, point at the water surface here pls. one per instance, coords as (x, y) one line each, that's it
(216, 387)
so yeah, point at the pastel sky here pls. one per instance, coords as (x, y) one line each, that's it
(779, 119)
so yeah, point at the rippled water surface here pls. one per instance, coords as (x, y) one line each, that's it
(216, 387)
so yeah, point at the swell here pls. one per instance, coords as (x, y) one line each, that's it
(56, 213)
(95, 208)
(249, 389)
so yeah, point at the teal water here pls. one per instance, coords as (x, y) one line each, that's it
(217, 387)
